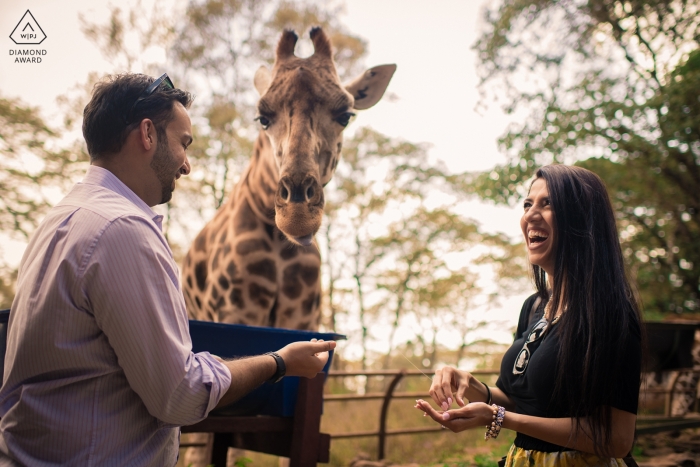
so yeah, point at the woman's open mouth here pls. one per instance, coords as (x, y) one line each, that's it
(536, 237)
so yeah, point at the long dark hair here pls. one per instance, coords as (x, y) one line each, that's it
(602, 314)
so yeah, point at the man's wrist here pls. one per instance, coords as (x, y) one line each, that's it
(281, 369)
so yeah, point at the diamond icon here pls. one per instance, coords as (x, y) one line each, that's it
(28, 31)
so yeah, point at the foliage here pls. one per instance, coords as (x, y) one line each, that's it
(612, 86)
(30, 159)
(395, 248)
(34, 172)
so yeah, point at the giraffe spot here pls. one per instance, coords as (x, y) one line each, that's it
(303, 326)
(188, 260)
(273, 315)
(246, 247)
(232, 272)
(200, 243)
(223, 282)
(340, 146)
(189, 282)
(214, 293)
(224, 234)
(289, 253)
(215, 261)
(289, 312)
(309, 274)
(237, 298)
(260, 294)
(291, 283)
(245, 219)
(270, 230)
(251, 317)
(198, 302)
(227, 249)
(265, 268)
(200, 274)
(307, 306)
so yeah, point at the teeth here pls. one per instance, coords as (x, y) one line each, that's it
(537, 233)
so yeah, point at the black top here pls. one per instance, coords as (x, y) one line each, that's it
(531, 391)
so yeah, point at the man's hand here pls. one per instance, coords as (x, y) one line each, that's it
(306, 358)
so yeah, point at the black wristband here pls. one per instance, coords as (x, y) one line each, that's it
(281, 367)
(488, 394)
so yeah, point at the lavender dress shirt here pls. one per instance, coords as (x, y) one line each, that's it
(99, 368)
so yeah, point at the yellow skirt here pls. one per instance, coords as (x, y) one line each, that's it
(519, 457)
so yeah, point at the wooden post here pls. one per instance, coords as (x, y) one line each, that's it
(306, 439)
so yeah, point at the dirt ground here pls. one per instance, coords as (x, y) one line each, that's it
(669, 449)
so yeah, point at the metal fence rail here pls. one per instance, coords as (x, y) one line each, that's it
(386, 397)
(645, 424)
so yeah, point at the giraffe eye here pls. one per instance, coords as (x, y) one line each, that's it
(344, 118)
(264, 121)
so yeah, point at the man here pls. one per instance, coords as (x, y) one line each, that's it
(99, 368)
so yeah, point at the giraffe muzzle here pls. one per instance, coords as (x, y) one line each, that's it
(299, 208)
(306, 191)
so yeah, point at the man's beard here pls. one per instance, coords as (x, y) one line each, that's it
(161, 164)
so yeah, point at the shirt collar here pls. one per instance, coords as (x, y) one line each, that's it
(102, 177)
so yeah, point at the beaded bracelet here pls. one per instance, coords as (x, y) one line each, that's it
(493, 430)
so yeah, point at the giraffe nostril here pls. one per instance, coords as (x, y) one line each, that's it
(309, 193)
(284, 193)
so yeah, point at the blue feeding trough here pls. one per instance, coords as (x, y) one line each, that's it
(237, 340)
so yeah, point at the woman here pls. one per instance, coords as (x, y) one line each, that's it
(569, 385)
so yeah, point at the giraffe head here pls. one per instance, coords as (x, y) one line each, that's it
(303, 110)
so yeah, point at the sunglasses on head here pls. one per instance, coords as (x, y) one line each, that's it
(164, 80)
(523, 358)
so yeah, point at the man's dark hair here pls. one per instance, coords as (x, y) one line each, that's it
(108, 117)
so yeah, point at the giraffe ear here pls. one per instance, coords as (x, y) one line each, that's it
(262, 79)
(369, 87)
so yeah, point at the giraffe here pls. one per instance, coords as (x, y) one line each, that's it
(257, 262)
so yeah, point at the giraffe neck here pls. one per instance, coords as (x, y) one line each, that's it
(259, 182)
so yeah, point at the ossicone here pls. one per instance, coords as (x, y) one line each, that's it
(322, 45)
(285, 47)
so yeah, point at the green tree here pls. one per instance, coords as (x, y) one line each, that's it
(611, 86)
(394, 247)
(34, 172)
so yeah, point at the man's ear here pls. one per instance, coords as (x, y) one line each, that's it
(148, 136)
(369, 87)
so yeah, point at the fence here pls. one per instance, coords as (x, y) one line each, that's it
(645, 424)
(386, 397)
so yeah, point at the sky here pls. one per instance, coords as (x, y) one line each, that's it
(436, 83)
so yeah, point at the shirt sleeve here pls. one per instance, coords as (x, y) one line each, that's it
(131, 284)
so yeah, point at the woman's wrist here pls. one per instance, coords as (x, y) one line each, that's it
(480, 392)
